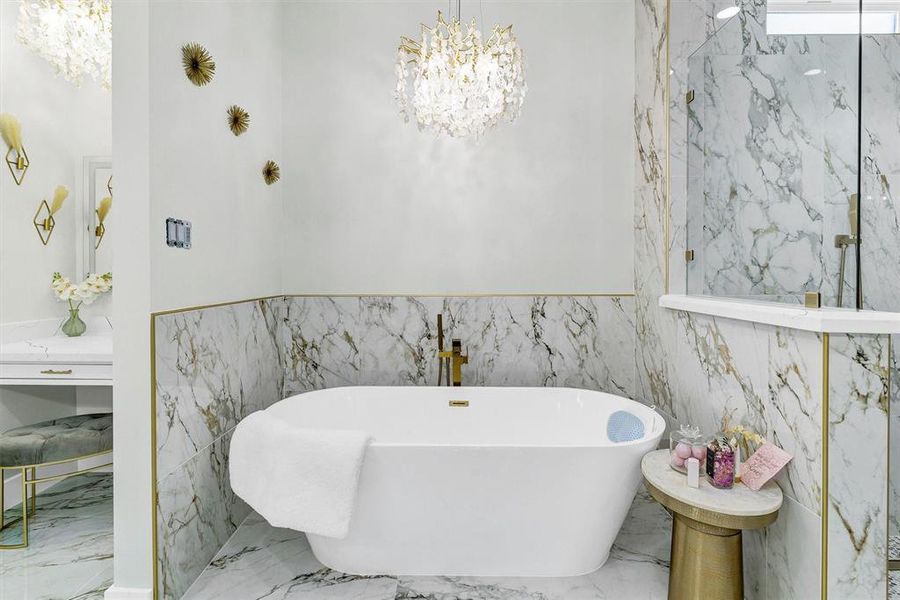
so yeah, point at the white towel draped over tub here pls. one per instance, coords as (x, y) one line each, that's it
(302, 479)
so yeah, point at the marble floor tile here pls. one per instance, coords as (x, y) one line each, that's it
(71, 544)
(260, 561)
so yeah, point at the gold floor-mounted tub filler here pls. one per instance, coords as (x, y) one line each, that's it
(450, 360)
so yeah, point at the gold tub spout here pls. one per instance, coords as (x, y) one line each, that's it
(457, 359)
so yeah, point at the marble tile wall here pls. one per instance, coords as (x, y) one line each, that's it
(858, 466)
(575, 341)
(881, 213)
(214, 366)
(701, 368)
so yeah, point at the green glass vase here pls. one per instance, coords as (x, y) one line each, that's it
(74, 326)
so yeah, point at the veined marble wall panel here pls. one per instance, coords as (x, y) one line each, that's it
(881, 212)
(702, 368)
(574, 341)
(196, 513)
(858, 469)
(214, 366)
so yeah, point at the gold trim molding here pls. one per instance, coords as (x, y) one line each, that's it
(826, 349)
(170, 311)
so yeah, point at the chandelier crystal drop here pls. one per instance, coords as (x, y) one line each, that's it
(451, 81)
(75, 36)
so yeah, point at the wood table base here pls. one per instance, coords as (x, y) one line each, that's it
(707, 562)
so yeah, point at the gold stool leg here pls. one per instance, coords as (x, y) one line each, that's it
(24, 509)
(707, 561)
(2, 499)
(33, 491)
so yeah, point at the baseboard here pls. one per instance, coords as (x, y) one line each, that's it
(122, 593)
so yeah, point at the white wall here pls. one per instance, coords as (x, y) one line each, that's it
(374, 205)
(60, 124)
(201, 171)
(132, 502)
(175, 156)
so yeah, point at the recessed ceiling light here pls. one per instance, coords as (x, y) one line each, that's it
(727, 13)
(812, 72)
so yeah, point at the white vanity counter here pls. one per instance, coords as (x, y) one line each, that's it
(38, 353)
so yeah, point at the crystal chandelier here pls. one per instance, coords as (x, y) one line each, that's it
(453, 82)
(75, 36)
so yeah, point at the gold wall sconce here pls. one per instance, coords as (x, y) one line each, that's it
(44, 223)
(101, 212)
(16, 156)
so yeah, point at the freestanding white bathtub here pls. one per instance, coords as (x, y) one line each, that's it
(521, 482)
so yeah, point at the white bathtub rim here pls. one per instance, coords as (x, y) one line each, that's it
(658, 422)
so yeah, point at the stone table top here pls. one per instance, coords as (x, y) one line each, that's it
(737, 508)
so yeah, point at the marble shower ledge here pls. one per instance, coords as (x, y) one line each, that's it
(820, 320)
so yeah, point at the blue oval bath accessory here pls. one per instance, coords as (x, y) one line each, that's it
(624, 427)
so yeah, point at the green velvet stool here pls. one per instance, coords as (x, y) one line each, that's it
(26, 449)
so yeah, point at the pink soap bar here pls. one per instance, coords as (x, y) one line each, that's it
(763, 465)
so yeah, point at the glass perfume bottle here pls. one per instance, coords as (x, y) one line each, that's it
(721, 462)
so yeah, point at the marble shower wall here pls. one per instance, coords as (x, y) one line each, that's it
(214, 366)
(698, 368)
(575, 341)
(881, 212)
(763, 160)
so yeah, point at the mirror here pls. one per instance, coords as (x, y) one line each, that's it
(94, 239)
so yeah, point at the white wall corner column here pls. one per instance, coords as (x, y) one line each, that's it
(133, 527)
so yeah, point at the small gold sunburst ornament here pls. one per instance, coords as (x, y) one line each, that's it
(238, 119)
(198, 63)
(271, 172)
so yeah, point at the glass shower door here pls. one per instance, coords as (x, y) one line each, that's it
(773, 156)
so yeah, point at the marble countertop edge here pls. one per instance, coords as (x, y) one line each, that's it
(820, 320)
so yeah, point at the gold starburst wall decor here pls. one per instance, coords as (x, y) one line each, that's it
(198, 63)
(271, 172)
(238, 119)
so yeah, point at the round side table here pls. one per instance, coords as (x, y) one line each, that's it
(707, 559)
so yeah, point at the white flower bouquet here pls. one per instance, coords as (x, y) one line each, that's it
(93, 286)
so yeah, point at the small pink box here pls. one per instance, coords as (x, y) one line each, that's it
(763, 465)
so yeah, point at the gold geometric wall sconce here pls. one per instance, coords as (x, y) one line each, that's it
(16, 156)
(198, 63)
(238, 119)
(44, 223)
(271, 172)
(101, 212)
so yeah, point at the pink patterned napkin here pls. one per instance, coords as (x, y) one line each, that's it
(763, 465)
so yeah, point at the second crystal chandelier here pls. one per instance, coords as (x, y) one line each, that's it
(452, 81)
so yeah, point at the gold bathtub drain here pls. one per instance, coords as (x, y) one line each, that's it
(459, 403)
